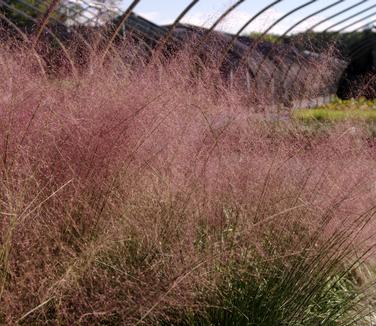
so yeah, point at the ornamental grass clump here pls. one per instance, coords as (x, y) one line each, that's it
(156, 196)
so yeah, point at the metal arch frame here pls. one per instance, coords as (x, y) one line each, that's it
(54, 36)
(304, 59)
(329, 18)
(365, 25)
(36, 9)
(362, 27)
(218, 21)
(356, 22)
(326, 20)
(47, 15)
(337, 14)
(271, 50)
(118, 26)
(244, 57)
(90, 10)
(251, 20)
(294, 26)
(168, 36)
(251, 48)
(296, 76)
(81, 12)
(312, 15)
(349, 18)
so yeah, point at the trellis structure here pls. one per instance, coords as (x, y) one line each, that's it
(259, 57)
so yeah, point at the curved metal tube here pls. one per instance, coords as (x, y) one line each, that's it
(219, 20)
(365, 25)
(36, 9)
(118, 26)
(251, 48)
(300, 68)
(75, 32)
(251, 20)
(336, 15)
(349, 8)
(167, 37)
(356, 22)
(292, 28)
(83, 11)
(350, 17)
(310, 16)
(317, 24)
(306, 4)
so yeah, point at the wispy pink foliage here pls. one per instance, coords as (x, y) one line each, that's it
(121, 157)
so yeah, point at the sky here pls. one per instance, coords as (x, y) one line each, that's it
(206, 11)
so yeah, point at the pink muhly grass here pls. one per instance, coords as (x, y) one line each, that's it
(125, 192)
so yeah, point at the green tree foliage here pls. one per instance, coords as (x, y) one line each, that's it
(273, 38)
(25, 13)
